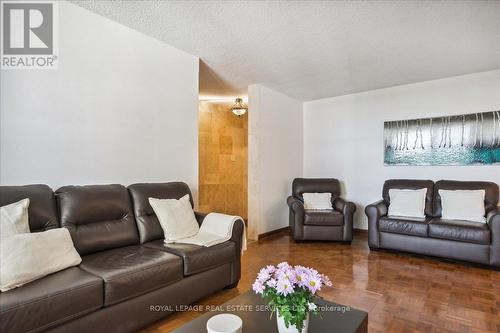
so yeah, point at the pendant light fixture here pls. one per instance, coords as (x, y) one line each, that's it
(239, 108)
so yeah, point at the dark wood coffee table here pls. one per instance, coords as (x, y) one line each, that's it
(251, 309)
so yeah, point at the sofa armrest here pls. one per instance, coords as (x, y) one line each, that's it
(238, 228)
(237, 238)
(374, 212)
(237, 234)
(493, 220)
(347, 209)
(296, 219)
(199, 217)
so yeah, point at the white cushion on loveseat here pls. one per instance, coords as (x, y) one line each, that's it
(466, 205)
(406, 202)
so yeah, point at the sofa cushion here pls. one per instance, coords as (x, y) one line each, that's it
(99, 217)
(42, 210)
(176, 217)
(323, 217)
(404, 225)
(131, 271)
(47, 302)
(464, 231)
(198, 258)
(14, 219)
(147, 222)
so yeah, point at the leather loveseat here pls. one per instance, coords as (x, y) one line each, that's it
(454, 239)
(326, 225)
(127, 278)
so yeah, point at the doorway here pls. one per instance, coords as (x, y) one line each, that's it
(223, 159)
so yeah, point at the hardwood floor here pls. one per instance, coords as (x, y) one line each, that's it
(401, 292)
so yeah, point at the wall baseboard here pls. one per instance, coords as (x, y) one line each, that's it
(360, 231)
(277, 231)
(273, 232)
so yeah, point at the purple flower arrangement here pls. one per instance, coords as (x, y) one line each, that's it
(290, 290)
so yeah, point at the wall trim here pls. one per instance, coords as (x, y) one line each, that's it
(358, 231)
(273, 232)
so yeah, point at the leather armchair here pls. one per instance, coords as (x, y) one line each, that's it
(328, 225)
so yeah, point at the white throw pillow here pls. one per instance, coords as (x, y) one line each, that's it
(176, 217)
(467, 205)
(14, 218)
(405, 202)
(317, 200)
(31, 256)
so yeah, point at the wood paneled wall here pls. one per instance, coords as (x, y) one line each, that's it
(223, 159)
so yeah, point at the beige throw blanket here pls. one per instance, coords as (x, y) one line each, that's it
(216, 228)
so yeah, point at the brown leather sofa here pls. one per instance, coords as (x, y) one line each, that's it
(127, 278)
(459, 240)
(325, 225)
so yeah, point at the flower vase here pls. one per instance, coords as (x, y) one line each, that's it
(291, 328)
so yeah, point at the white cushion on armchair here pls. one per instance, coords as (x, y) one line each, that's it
(317, 200)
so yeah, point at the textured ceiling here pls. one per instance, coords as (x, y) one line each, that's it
(316, 49)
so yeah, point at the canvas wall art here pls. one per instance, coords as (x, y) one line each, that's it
(466, 139)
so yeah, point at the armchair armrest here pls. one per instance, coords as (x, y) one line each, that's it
(296, 219)
(374, 212)
(295, 204)
(347, 209)
(493, 220)
(343, 206)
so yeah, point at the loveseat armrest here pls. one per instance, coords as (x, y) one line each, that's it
(374, 212)
(493, 220)
(377, 209)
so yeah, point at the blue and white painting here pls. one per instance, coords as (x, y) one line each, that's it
(451, 140)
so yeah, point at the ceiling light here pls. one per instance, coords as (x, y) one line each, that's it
(239, 108)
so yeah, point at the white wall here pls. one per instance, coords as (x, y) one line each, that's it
(275, 157)
(121, 108)
(343, 135)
